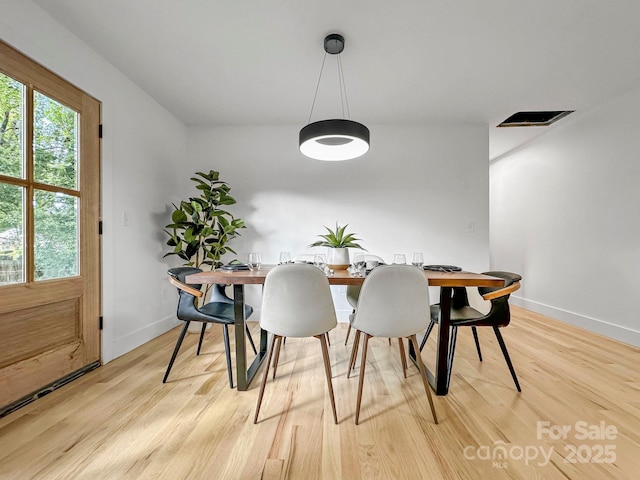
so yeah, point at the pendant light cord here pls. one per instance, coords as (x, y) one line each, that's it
(343, 90)
(344, 104)
(317, 86)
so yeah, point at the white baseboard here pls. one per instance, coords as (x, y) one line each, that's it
(133, 340)
(622, 334)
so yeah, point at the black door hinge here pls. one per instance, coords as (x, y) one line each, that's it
(100, 131)
(100, 227)
(101, 323)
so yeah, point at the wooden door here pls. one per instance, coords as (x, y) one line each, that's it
(49, 239)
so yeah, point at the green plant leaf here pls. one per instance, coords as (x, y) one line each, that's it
(337, 238)
(223, 222)
(178, 216)
(200, 229)
(188, 209)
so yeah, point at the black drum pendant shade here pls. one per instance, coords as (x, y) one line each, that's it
(335, 139)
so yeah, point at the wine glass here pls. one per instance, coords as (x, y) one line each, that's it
(285, 257)
(255, 261)
(360, 264)
(417, 260)
(320, 261)
(399, 259)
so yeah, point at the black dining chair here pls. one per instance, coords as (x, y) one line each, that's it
(463, 315)
(220, 310)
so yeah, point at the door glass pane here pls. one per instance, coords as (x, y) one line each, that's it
(56, 235)
(11, 111)
(11, 234)
(55, 143)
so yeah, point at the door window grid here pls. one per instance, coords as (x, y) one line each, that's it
(39, 186)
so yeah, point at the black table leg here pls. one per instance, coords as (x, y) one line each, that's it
(442, 348)
(245, 375)
(439, 381)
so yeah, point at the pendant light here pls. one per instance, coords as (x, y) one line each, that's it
(335, 139)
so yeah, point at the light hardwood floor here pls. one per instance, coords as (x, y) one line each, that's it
(121, 422)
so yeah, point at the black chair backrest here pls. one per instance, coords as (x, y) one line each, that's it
(181, 273)
(509, 279)
(187, 303)
(219, 294)
(460, 298)
(500, 315)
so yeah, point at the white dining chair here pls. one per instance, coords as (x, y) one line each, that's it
(297, 302)
(393, 303)
(353, 291)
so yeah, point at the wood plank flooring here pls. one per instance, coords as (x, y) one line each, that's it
(121, 422)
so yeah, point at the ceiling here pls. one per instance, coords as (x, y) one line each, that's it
(252, 62)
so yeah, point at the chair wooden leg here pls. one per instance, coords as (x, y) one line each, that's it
(276, 357)
(363, 362)
(327, 371)
(264, 378)
(423, 374)
(475, 337)
(227, 349)
(389, 341)
(253, 345)
(328, 338)
(403, 357)
(426, 335)
(354, 352)
(503, 347)
(175, 350)
(348, 332)
(204, 327)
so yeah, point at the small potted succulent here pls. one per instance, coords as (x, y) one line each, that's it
(338, 243)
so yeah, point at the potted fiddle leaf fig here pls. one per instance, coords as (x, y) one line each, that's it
(201, 227)
(338, 243)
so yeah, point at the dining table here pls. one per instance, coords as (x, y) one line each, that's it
(446, 280)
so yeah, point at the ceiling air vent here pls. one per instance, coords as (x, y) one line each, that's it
(534, 119)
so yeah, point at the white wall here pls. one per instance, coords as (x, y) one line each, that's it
(564, 214)
(417, 189)
(143, 153)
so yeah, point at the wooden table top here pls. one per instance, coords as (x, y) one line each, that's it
(342, 277)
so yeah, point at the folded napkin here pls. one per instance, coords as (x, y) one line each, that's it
(443, 268)
(235, 267)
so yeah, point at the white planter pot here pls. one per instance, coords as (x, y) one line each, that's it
(338, 258)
